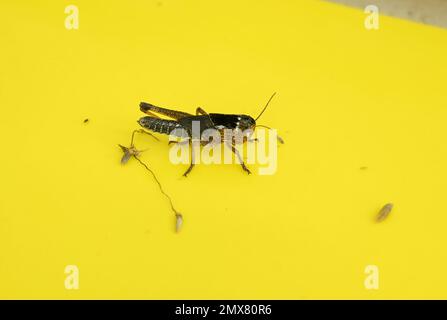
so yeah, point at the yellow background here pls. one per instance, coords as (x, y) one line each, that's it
(347, 98)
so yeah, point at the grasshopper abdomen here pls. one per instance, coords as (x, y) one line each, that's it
(160, 125)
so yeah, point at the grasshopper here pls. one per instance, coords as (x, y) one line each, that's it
(183, 121)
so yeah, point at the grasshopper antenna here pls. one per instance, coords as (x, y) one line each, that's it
(260, 125)
(266, 105)
(281, 140)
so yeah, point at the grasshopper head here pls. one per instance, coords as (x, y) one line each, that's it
(245, 122)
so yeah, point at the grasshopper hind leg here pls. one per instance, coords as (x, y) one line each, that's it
(174, 114)
(200, 111)
(142, 131)
(193, 161)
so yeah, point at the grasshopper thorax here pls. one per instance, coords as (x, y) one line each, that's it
(239, 122)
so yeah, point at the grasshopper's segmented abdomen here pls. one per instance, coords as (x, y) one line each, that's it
(159, 125)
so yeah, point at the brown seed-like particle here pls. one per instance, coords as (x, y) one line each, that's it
(384, 212)
(86, 120)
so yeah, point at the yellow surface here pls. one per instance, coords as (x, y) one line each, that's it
(347, 98)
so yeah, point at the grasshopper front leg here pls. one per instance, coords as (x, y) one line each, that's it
(236, 152)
